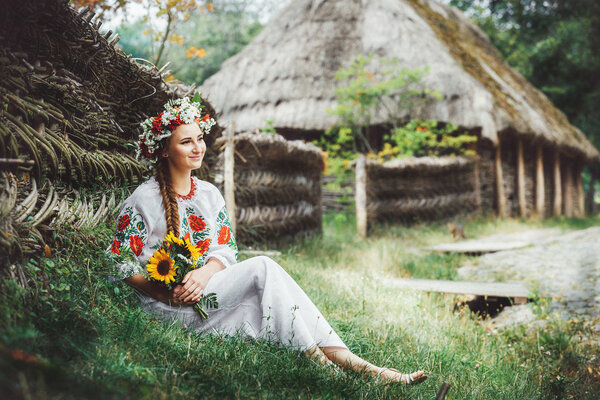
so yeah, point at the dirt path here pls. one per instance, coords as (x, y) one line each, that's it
(564, 267)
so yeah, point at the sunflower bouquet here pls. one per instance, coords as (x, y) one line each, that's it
(172, 261)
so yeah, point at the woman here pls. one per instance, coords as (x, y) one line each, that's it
(256, 297)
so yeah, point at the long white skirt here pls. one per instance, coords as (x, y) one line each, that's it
(258, 299)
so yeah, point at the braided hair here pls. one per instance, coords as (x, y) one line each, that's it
(163, 176)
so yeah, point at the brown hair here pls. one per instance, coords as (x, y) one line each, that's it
(163, 176)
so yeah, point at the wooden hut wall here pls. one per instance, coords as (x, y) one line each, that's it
(421, 189)
(277, 188)
(71, 102)
(487, 187)
(508, 154)
(529, 156)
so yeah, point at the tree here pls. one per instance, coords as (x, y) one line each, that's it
(554, 44)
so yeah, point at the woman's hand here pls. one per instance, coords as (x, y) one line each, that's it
(192, 286)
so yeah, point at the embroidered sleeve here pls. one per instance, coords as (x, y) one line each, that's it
(222, 245)
(130, 238)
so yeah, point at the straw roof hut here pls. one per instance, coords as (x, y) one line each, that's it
(71, 103)
(286, 74)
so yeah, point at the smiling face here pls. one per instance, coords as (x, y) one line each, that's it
(186, 148)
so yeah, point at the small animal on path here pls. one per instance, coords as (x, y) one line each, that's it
(457, 230)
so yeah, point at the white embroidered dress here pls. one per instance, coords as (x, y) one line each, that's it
(257, 297)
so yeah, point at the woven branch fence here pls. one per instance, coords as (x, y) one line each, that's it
(415, 189)
(71, 103)
(277, 187)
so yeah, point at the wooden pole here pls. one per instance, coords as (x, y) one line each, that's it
(579, 193)
(590, 194)
(540, 190)
(441, 394)
(228, 176)
(500, 183)
(361, 196)
(557, 209)
(521, 179)
(568, 192)
(477, 183)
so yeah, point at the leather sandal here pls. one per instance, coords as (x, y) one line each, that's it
(405, 379)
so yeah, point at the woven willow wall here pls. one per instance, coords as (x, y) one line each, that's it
(277, 187)
(71, 102)
(415, 189)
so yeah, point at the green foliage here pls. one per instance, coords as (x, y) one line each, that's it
(391, 91)
(554, 44)
(428, 138)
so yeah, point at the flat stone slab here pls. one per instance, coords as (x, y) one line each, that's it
(496, 243)
(491, 289)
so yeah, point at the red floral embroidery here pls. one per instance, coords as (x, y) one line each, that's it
(137, 244)
(203, 245)
(187, 236)
(224, 235)
(197, 223)
(123, 222)
(116, 247)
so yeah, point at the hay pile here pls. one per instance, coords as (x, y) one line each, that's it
(71, 106)
(277, 187)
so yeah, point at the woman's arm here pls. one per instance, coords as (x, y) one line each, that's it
(152, 289)
(193, 284)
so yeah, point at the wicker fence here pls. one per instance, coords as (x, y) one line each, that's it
(415, 189)
(277, 187)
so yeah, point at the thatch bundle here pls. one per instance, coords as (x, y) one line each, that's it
(277, 187)
(425, 188)
(71, 105)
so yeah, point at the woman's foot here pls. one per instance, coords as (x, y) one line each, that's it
(391, 375)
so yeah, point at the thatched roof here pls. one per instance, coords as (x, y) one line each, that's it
(286, 74)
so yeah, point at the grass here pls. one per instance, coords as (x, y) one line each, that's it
(78, 336)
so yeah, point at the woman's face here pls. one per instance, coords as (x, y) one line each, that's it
(186, 148)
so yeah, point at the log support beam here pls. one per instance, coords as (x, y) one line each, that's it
(361, 196)
(501, 197)
(557, 204)
(521, 187)
(579, 193)
(228, 177)
(569, 189)
(590, 194)
(540, 190)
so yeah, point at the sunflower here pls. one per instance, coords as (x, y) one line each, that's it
(172, 239)
(161, 267)
(194, 251)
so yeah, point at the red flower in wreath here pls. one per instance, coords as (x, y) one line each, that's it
(144, 149)
(116, 247)
(157, 124)
(203, 245)
(197, 223)
(123, 222)
(224, 235)
(137, 244)
(206, 117)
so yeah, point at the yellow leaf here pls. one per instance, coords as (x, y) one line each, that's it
(210, 7)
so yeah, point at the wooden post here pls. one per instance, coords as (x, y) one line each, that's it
(441, 394)
(361, 196)
(540, 190)
(557, 209)
(228, 176)
(590, 194)
(579, 194)
(568, 192)
(521, 179)
(477, 183)
(500, 183)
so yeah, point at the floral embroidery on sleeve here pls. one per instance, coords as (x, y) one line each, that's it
(128, 243)
(224, 234)
(198, 230)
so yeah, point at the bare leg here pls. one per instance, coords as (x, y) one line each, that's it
(349, 360)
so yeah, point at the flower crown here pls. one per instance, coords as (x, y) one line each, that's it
(175, 113)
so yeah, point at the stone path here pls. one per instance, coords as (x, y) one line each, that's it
(564, 267)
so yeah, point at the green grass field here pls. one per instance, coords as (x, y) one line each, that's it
(77, 336)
